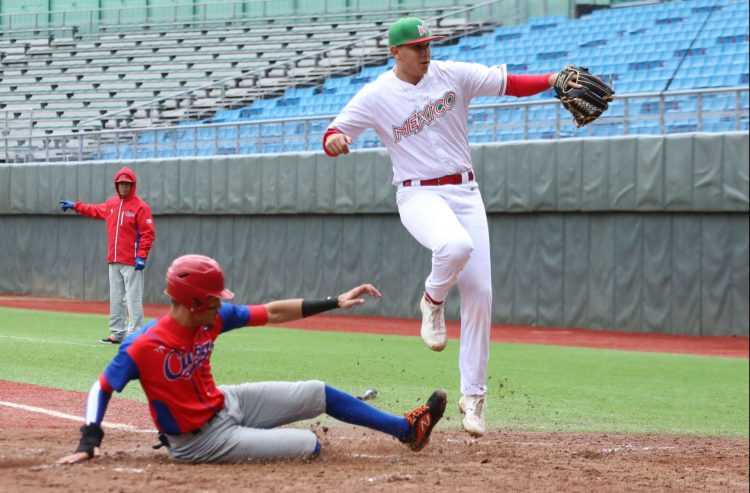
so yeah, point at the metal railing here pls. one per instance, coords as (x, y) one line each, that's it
(651, 113)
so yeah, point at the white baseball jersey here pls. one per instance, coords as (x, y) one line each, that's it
(423, 126)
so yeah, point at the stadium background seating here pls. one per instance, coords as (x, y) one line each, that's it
(56, 82)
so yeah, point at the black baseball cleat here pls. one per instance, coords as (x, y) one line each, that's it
(109, 340)
(423, 419)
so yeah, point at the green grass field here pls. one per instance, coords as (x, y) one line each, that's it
(532, 387)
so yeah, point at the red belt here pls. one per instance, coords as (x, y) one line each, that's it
(443, 180)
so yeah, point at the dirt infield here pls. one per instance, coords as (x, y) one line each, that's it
(40, 426)
(355, 459)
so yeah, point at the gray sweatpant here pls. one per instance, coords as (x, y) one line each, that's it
(125, 292)
(246, 428)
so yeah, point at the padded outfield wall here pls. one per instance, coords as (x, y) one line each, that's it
(628, 233)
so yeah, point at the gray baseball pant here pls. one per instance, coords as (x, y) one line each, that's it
(246, 429)
(125, 292)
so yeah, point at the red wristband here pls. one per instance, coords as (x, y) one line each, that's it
(258, 315)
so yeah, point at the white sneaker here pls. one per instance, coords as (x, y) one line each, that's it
(433, 325)
(473, 407)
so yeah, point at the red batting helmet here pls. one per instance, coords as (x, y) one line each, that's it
(191, 279)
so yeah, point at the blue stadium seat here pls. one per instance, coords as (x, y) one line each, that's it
(484, 100)
(271, 130)
(166, 135)
(319, 126)
(207, 133)
(373, 71)
(477, 136)
(538, 113)
(187, 135)
(510, 135)
(479, 116)
(271, 147)
(689, 125)
(643, 47)
(249, 149)
(514, 115)
(643, 128)
(607, 129)
(680, 104)
(249, 131)
(725, 124)
(226, 133)
(616, 108)
(227, 116)
(294, 146)
(648, 106)
(542, 133)
(226, 150)
(299, 92)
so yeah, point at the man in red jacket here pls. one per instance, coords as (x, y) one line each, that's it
(130, 234)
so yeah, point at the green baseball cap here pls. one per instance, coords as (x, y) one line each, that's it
(408, 31)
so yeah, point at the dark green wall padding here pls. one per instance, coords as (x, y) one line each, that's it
(629, 233)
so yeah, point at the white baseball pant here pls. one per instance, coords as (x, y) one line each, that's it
(451, 221)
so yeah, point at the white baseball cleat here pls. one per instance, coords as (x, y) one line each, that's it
(473, 408)
(433, 325)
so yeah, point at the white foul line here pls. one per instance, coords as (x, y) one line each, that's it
(56, 414)
(48, 341)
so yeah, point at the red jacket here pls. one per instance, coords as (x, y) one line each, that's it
(130, 227)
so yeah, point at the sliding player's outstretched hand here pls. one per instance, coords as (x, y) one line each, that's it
(354, 297)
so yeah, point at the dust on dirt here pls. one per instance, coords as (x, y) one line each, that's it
(356, 459)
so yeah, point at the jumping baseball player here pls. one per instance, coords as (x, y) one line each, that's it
(130, 235)
(419, 110)
(200, 422)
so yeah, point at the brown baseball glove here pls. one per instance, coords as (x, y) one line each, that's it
(585, 103)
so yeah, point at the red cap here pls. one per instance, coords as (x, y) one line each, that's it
(123, 178)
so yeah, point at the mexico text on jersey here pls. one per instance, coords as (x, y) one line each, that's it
(421, 118)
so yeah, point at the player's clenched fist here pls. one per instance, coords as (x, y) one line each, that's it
(338, 144)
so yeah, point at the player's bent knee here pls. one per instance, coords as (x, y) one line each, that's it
(456, 250)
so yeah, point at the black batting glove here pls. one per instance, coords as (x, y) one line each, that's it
(91, 437)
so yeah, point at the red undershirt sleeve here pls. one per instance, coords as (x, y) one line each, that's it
(526, 85)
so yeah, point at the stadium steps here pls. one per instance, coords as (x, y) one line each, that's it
(641, 47)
